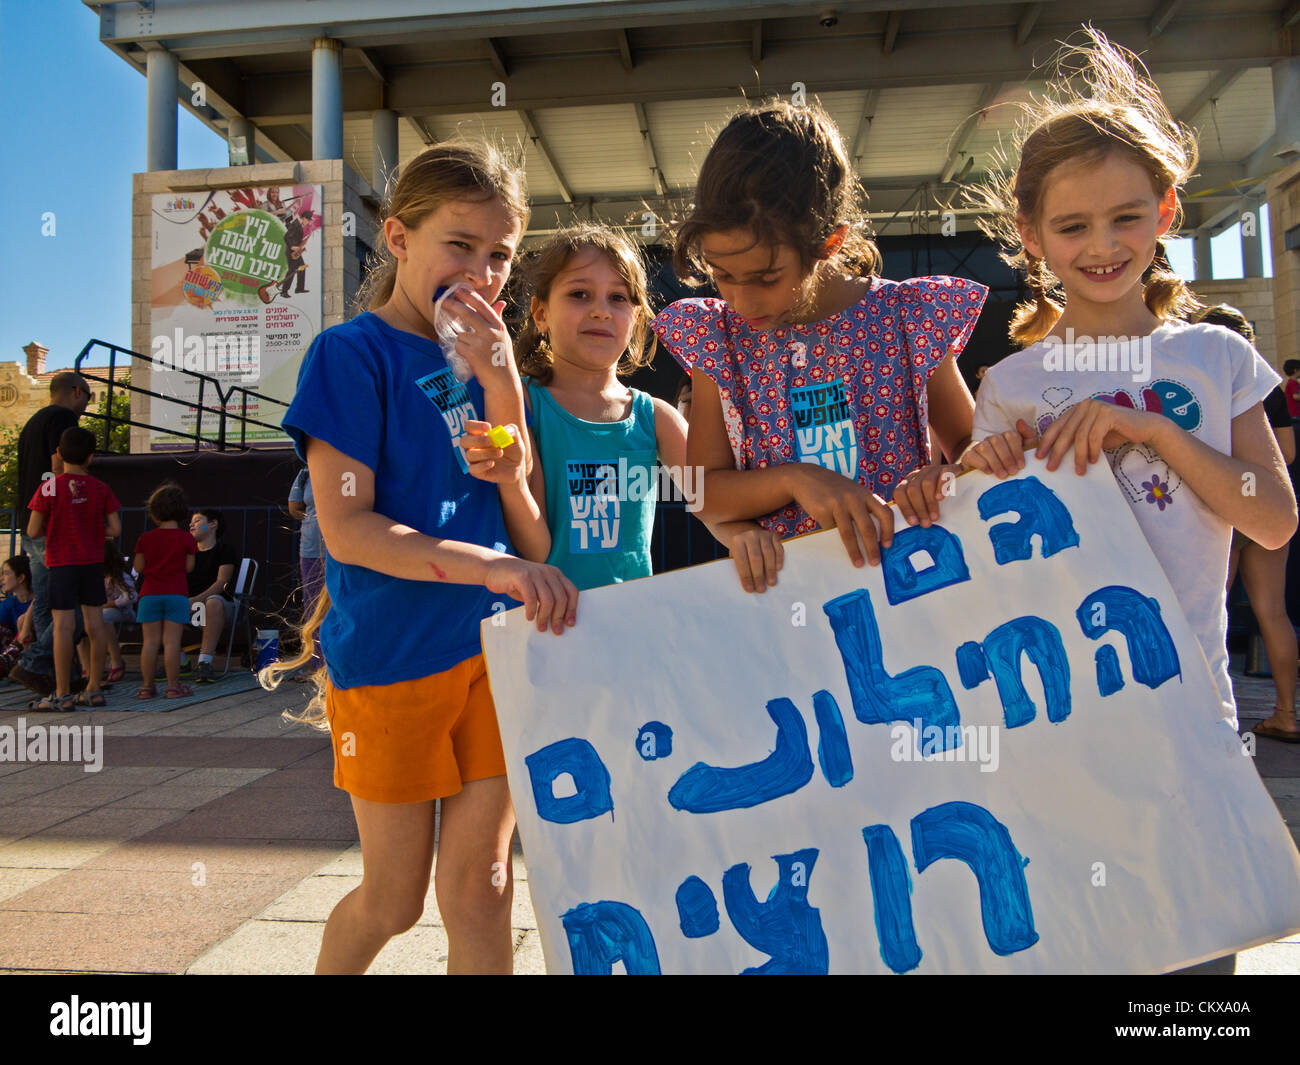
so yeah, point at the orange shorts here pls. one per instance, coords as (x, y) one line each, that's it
(415, 740)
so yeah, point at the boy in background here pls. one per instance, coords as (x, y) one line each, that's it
(75, 513)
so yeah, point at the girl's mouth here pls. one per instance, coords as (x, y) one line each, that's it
(1106, 272)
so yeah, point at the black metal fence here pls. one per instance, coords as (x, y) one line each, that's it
(229, 415)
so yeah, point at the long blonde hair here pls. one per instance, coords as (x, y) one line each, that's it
(1101, 101)
(314, 712)
(542, 267)
(443, 173)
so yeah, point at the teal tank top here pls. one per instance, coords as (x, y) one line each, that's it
(601, 484)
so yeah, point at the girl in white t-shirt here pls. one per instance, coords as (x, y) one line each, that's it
(1179, 417)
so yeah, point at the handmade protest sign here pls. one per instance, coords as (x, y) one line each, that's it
(999, 751)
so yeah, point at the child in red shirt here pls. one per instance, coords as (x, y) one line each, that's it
(75, 513)
(162, 557)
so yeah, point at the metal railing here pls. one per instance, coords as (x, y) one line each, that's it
(208, 387)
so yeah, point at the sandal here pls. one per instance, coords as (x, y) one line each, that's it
(181, 691)
(114, 675)
(89, 698)
(1263, 728)
(53, 704)
(147, 691)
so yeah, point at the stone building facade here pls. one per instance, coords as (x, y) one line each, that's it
(25, 387)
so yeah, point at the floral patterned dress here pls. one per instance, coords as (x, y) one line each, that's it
(847, 392)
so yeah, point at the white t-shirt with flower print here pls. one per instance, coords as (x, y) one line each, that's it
(1200, 377)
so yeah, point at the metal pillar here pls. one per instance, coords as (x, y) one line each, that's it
(160, 111)
(1286, 100)
(1202, 257)
(326, 99)
(384, 131)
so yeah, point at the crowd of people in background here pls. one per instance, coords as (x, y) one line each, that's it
(74, 583)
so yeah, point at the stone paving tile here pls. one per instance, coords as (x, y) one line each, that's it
(1273, 959)
(115, 942)
(171, 797)
(310, 900)
(280, 948)
(220, 777)
(147, 892)
(222, 856)
(528, 955)
(53, 773)
(38, 852)
(91, 791)
(19, 821)
(422, 950)
(241, 815)
(16, 881)
(293, 777)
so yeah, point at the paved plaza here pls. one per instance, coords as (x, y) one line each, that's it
(214, 841)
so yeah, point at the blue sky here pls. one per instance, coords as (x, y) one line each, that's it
(73, 134)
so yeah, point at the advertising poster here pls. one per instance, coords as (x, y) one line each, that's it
(236, 296)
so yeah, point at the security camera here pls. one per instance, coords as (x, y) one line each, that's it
(828, 18)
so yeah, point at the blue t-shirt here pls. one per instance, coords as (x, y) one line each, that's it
(11, 610)
(309, 538)
(388, 399)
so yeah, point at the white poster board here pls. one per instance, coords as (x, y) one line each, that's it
(236, 295)
(790, 824)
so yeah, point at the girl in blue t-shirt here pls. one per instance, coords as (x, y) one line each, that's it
(601, 446)
(417, 556)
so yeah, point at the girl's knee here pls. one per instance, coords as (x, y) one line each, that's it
(480, 898)
(389, 914)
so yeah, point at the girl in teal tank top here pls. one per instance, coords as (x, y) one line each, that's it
(599, 448)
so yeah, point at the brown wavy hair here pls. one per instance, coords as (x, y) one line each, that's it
(1100, 101)
(542, 266)
(781, 172)
(452, 170)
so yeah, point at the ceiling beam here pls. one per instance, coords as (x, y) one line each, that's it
(1025, 25)
(1219, 84)
(1164, 14)
(422, 131)
(643, 122)
(864, 124)
(535, 135)
(987, 95)
(625, 49)
(892, 22)
(376, 71)
(496, 57)
(715, 70)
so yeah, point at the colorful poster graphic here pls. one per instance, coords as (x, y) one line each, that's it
(236, 296)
